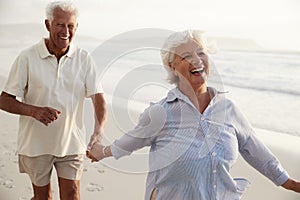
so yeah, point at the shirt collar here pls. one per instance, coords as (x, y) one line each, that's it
(175, 93)
(44, 53)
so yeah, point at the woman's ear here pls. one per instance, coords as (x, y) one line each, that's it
(171, 66)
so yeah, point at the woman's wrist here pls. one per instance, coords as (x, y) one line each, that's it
(106, 151)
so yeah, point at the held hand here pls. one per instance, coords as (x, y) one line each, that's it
(97, 152)
(90, 156)
(96, 137)
(291, 184)
(45, 115)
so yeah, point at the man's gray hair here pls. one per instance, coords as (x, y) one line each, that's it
(175, 40)
(65, 5)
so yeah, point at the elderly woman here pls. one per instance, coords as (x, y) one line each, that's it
(195, 133)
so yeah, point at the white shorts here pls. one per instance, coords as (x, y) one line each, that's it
(39, 168)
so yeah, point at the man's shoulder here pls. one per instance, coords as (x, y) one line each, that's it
(30, 49)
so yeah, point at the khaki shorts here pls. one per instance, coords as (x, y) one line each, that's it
(40, 168)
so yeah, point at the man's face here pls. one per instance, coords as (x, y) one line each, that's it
(62, 29)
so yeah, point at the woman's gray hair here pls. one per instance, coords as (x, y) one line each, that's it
(175, 40)
(65, 5)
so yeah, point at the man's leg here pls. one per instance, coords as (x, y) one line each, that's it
(42, 192)
(69, 189)
(39, 170)
(69, 170)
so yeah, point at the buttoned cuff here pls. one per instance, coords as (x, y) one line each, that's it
(281, 179)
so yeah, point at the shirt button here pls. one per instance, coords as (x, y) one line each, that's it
(214, 171)
(202, 118)
(208, 136)
(215, 186)
(213, 154)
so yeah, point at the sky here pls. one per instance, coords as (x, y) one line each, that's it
(273, 24)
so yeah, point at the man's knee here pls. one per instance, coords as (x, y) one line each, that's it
(42, 192)
(69, 189)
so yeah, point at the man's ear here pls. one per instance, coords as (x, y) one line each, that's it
(47, 24)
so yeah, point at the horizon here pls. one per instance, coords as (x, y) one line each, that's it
(271, 23)
(10, 38)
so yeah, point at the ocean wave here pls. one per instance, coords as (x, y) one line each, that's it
(286, 91)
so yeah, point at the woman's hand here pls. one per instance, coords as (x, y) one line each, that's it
(291, 184)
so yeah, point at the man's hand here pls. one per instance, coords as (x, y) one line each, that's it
(96, 153)
(45, 115)
(96, 137)
(90, 156)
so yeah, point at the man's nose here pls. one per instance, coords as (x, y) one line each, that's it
(65, 29)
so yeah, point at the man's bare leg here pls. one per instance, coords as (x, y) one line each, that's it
(69, 189)
(42, 192)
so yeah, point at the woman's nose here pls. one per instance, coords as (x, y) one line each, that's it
(196, 60)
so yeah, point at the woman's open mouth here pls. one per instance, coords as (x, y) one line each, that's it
(197, 71)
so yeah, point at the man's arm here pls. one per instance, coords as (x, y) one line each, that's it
(100, 118)
(10, 104)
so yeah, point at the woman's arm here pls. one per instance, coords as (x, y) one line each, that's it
(255, 152)
(149, 126)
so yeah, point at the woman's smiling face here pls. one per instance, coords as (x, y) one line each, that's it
(190, 64)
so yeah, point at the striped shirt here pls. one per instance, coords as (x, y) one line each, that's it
(191, 153)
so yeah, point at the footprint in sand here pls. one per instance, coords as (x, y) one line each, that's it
(1, 165)
(8, 183)
(85, 169)
(93, 187)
